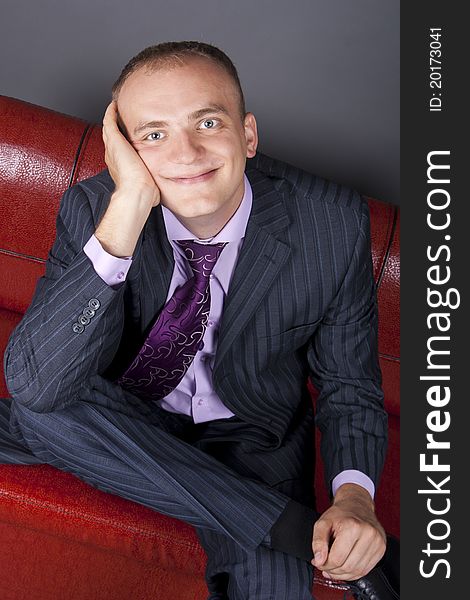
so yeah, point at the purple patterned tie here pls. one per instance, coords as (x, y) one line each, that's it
(178, 331)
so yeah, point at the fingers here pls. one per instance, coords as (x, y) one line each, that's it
(110, 114)
(357, 548)
(362, 558)
(346, 537)
(110, 121)
(125, 165)
(320, 541)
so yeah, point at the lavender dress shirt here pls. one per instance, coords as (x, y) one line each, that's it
(195, 395)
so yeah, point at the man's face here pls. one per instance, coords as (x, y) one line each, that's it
(185, 124)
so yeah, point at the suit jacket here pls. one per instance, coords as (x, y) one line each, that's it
(301, 302)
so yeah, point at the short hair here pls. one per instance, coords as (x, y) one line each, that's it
(171, 54)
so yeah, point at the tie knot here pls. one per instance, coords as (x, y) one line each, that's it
(201, 257)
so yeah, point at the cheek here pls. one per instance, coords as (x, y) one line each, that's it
(226, 144)
(146, 153)
(151, 158)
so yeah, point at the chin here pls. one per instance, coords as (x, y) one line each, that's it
(195, 212)
(188, 207)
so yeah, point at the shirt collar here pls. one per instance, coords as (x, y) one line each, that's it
(234, 230)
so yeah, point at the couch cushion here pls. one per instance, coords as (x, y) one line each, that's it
(34, 501)
(40, 496)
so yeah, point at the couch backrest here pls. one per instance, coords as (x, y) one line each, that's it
(42, 152)
(385, 233)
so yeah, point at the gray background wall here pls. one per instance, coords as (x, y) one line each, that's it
(321, 76)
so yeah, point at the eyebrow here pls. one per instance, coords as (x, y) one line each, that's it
(194, 116)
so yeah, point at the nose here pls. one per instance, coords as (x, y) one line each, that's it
(185, 148)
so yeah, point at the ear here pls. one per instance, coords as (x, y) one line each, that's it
(251, 134)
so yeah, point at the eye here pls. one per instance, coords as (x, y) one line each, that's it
(154, 136)
(209, 123)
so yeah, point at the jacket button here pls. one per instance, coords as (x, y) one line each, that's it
(94, 303)
(77, 328)
(88, 312)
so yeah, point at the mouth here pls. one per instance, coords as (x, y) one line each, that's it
(198, 178)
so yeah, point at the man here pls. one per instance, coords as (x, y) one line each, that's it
(165, 354)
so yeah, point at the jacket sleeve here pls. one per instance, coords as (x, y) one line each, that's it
(71, 330)
(343, 356)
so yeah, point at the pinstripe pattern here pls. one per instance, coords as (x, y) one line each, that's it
(236, 574)
(301, 302)
(152, 466)
(146, 464)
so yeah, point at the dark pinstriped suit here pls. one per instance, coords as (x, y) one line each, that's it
(301, 301)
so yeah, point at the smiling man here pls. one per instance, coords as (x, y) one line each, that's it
(188, 296)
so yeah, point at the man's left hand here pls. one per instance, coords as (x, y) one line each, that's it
(348, 541)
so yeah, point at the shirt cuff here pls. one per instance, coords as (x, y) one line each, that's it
(111, 269)
(353, 476)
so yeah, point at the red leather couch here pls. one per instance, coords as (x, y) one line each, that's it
(61, 539)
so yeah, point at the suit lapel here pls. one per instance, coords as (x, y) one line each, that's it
(156, 269)
(261, 257)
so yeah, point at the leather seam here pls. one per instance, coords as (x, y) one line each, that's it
(390, 357)
(24, 256)
(389, 245)
(77, 155)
